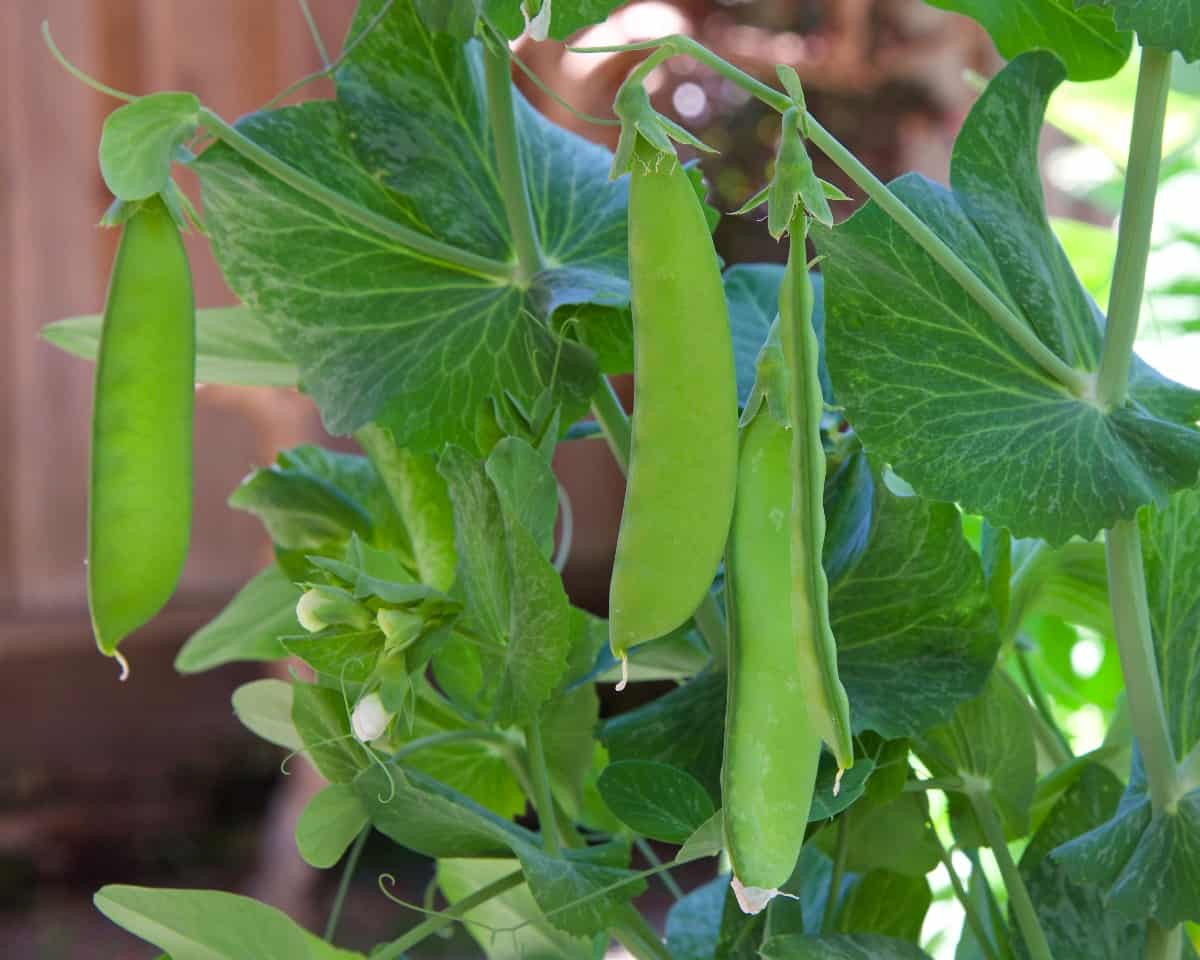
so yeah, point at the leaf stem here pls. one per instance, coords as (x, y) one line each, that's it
(339, 898)
(414, 242)
(1018, 894)
(318, 42)
(1045, 727)
(544, 799)
(610, 414)
(430, 926)
(1076, 381)
(503, 121)
(1137, 218)
(970, 914)
(1135, 644)
(840, 856)
(654, 860)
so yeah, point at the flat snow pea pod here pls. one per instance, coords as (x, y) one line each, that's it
(826, 697)
(140, 501)
(771, 747)
(683, 454)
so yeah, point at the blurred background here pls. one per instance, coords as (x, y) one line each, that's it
(154, 781)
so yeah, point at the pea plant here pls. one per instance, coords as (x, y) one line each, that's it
(873, 497)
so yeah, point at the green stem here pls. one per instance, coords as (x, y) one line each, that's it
(654, 860)
(1143, 691)
(1077, 381)
(840, 856)
(414, 242)
(1045, 727)
(1018, 894)
(427, 928)
(318, 42)
(1163, 944)
(498, 75)
(339, 898)
(1137, 217)
(998, 917)
(973, 920)
(544, 798)
(614, 422)
(635, 934)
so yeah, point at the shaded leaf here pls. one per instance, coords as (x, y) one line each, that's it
(265, 708)
(329, 823)
(249, 628)
(655, 800)
(859, 946)
(884, 903)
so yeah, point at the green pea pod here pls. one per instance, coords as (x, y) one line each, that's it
(140, 501)
(771, 747)
(826, 697)
(683, 456)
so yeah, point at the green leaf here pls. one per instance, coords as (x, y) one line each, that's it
(578, 897)
(1170, 24)
(329, 823)
(1085, 39)
(377, 332)
(1074, 916)
(526, 487)
(324, 725)
(707, 841)
(694, 923)
(887, 836)
(825, 804)
(859, 946)
(140, 141)
(937, 390)
(248, 628)
(300, 511)
(528, 934)
(265, 708)
(568, 16)
(655, 800)
(338, 655)
(233, 346)
(680, 729)
(453, 17)
(989, 742)
(568, 725)
(884, 903)
(915, 629)
(211, 925)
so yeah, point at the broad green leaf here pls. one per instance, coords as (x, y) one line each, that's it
(915, 629)
(248, 628)
(568, 725)
(433, 819)
(526, 487)
(265, 708)
(232, 347)
(528, 934)
(1170, 24)
(299, 510)
(1074, 916)
(884, 903)
(453, 17)
(140, 141)
(578, 897)
(694, 923)
(682, 728)
(826, 805)
(324, 725)
(890, 836)
(655, 800)
(380, 333)
(859, 946)
(937, 390)
(989, 740)
(211, 925)
(339, 655)
(329, 823)
(1085, 39)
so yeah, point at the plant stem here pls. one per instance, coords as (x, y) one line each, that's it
(636, 935)
(1018, 894)
(541, 786)
(1131, 625)
(971, 915)
(430, 926)
(654, 860)
(415, 243)
(840, 856)
(498, 75)
(339, 898)
(610, 414)
(318, 42)
(1045, 727)
(1137, 217)
(1076, 381)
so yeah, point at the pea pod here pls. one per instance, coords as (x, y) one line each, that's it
(140, 500)
(683, 456)
(771, 748)
(828, 705)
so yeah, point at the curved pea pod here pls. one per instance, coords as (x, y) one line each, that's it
(140, 498)
(683, 456)
(771, 747)
(828, 705)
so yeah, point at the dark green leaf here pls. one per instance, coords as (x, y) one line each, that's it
(888, 904)
(232, 346)
(1085, 39)
(568, 738)
(854, 781)
(936, 389)
(859, 946)
(578, 897)
(1169, 24)
(453, 17)
(329, 823)
(324, 725)
(707, 841)
(338, 655)
(265, 708)
(694, 923)
(140, 140)
(889, 836)
(526, 487)
(248, 628)
(568, 16)
(655, 800)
